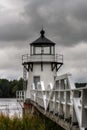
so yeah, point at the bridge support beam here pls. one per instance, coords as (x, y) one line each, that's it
(51, 121)
(50, 125)
(30, 109)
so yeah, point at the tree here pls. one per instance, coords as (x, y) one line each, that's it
(8, 88)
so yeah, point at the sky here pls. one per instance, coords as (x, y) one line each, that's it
(65, 23)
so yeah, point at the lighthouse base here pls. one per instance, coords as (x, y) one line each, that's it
(28, 108)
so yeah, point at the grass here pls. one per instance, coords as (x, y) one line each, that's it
(25, 123)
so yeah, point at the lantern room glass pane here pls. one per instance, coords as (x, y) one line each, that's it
(37, 50)
(45, 50)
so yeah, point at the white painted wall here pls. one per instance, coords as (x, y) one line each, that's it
(47, 75)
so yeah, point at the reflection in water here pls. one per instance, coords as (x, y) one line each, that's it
(11, 107)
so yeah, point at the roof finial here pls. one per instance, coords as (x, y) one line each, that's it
(42, 32)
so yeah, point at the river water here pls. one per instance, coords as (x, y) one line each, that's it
(10, 106)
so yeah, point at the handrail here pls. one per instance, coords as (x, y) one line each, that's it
(32, 58)
(62, 98)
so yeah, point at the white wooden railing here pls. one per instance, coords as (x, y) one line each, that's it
(63, 99)
(44, 58)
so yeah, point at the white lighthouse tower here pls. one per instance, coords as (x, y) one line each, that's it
(41, 64)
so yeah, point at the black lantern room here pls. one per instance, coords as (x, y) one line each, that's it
(42, 46)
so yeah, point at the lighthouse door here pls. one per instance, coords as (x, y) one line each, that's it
(36, 80)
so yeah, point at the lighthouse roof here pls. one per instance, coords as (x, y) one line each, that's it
(42, 40)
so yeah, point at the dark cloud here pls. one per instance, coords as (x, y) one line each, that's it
(14, 32)
(65, 22)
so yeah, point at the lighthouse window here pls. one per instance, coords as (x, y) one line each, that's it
(46, 50)
(37, 50)
(36, 79)
(53, 50)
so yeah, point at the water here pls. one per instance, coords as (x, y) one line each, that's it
(10, 106)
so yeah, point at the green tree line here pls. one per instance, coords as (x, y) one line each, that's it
(8, 88)
(79, 85)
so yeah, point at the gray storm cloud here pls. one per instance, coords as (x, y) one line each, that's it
(65, 22)
(14, 32)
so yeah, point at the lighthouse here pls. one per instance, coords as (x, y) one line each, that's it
(42, 64)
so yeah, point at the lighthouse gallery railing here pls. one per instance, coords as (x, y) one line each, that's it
(42, 58)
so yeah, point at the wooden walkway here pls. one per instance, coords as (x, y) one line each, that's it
(63, 103)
